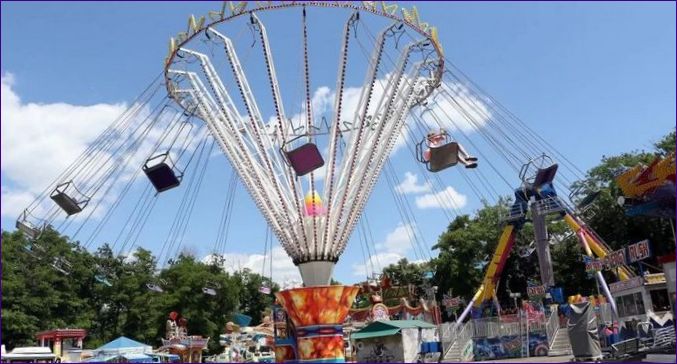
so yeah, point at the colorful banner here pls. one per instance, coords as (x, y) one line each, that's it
(451, 302)
(592, 265)
(536, 291)
(614, 259)
(509, 346)
(627, 284)
(611, 261)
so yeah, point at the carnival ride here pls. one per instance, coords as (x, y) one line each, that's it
(649, 190)
(538, 196)
(177, 341)
(310, 172)
(244, 343)
(379, 298)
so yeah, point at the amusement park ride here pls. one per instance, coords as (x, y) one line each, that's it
(310, 173)
(538, 196)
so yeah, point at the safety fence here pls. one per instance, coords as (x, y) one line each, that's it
(552, 325)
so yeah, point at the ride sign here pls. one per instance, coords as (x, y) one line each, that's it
(536, 291)
(592, 265)
(451, 302)
(627, 284)
(639, 251)
(614, 259)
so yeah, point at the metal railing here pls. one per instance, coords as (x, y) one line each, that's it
(552, 325)
(493, 327)
(464, 336)
(515, 212)
(664, 337)
(450, 334)
(548, 205)
(604, 313)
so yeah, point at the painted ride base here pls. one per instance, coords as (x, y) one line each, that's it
(318, 314)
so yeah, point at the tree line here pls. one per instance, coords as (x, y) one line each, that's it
(37, 297)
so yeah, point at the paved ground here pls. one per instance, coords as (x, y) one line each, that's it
(538, 359)
(654, 358)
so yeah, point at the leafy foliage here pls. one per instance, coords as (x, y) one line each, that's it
(36, 297)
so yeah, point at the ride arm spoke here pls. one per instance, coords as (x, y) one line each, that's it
(335, 128)
(370, 179)
(382, 133)
(357, 136)
(240, 159)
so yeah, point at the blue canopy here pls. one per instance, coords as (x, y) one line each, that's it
(129, 358)
(122, 343)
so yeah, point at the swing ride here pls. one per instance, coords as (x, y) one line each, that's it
(310, 171)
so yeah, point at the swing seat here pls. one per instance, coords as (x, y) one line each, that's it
(154, 287)
(304, 159)
(67, 202)
(35, 250)
(545, 175)
(443, 157)
(587, 200)
(209, 291)
(162, 175)
(241, 319)
(264, 289)
(62, 266)
(103, 280)
(30, 231)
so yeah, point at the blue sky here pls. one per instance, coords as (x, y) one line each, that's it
(593, 79)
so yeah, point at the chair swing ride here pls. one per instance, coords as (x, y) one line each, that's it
(310, 173)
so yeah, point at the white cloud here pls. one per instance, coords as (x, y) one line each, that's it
(39, 141)
(284, 269)
(13, 203)
(459, 108)
(394, 247)
(378, 262)
(410, 185)
(448, 199)
(323, 100)
(399, 240)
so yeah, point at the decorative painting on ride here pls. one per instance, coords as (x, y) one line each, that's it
(649, 190)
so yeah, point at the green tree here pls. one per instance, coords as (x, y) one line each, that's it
(207, 315)
(609, 219)
(252, 302)
(37, 297)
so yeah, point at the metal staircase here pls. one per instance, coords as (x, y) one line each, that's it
(561, 344)
(461, 336)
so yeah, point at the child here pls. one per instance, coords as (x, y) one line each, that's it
(438, 139)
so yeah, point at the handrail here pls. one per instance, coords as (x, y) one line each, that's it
(457, 333)
(448, 336)
(552, 326)
(465, 335)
